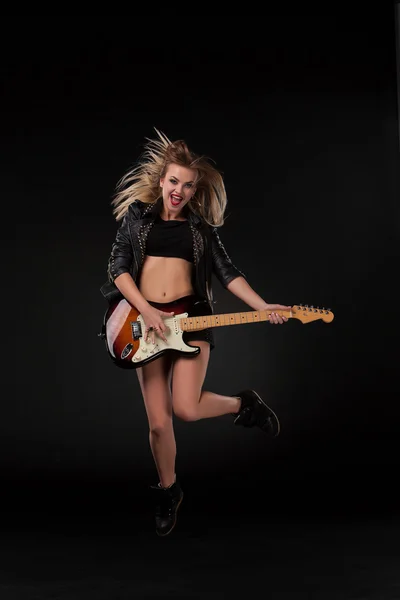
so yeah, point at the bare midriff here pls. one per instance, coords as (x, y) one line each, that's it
(164, 279)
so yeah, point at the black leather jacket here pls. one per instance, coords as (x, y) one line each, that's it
(129, 249)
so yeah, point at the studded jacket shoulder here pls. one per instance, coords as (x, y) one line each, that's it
(129, 248)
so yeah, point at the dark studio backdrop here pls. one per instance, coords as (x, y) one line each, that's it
(304, 126)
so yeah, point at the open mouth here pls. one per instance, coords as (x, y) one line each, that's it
(175, 200)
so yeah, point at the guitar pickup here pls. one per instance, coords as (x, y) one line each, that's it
(136, 330)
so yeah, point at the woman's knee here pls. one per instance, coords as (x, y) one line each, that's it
(160, 426)
(185, 409)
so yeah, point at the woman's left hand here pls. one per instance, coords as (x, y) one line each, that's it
(275, 317)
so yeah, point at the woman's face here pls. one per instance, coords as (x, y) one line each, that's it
(178, 186)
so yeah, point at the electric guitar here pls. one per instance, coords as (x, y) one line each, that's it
(123, 330)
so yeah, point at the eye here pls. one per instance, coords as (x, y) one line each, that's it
(189, 185)
(173, 180)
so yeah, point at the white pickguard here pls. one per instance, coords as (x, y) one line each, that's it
(174, 340)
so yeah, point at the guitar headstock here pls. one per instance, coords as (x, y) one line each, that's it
(306, 313)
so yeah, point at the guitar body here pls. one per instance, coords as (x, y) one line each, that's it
(123, 332)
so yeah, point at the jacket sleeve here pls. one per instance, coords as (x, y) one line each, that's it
(222, 265)
(121, 256)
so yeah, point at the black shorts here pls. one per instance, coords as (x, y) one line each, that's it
(194, 307)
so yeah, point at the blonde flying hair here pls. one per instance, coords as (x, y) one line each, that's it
(142, 182)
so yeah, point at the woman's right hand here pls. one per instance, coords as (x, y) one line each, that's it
(154, 323)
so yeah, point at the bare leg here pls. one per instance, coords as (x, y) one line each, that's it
(154, 379)
(190, 403)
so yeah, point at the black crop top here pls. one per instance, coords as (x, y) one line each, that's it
(170, 238)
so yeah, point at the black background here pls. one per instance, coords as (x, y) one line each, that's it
(300, 114)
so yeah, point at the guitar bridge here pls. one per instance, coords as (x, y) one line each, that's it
(136, 330)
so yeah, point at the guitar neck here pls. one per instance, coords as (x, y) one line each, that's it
(238, 318)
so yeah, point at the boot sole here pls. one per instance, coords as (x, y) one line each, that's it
(175, 519)
(273, 414)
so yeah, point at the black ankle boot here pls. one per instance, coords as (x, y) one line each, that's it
(167, 502)
(254, 412)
